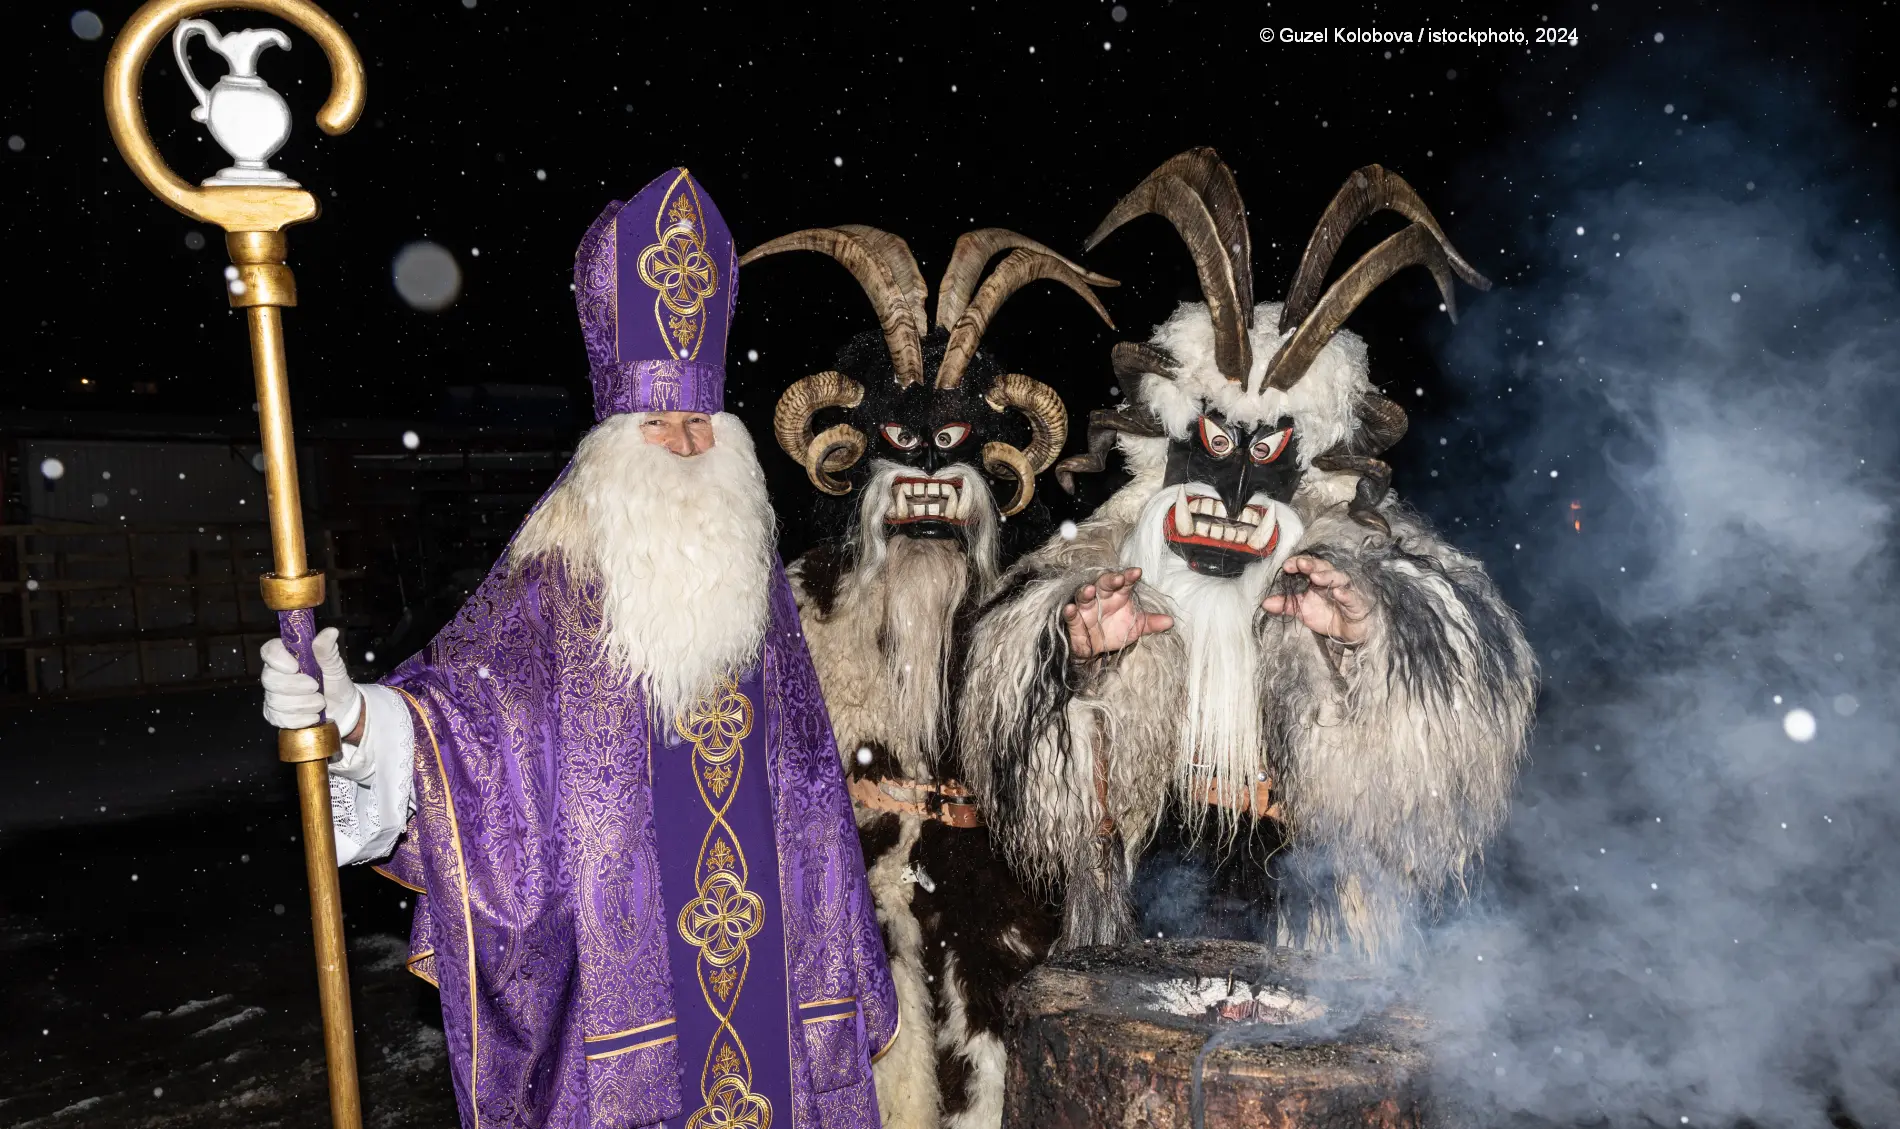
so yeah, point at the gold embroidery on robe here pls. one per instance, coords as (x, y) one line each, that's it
(677, 267)
(725, 914)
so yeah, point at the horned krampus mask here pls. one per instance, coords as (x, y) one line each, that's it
(1250, 410)
(924, 399)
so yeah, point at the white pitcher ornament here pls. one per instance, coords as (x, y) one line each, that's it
(246, 117)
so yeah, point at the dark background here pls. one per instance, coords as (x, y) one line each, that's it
(150, 844)
(467, 105)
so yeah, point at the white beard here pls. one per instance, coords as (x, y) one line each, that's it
(904, 593)
(1221, 746)
(682, 549)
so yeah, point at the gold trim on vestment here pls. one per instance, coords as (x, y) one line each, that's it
(886, 1048)
(628, 1031)
(829, 1018)
(828, 1003)
(397, 880)
(636, 1047)
(411, 964)
(468, 915)
(725, 914)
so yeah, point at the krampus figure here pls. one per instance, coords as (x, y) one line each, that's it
(1252, 629)
(919, 423)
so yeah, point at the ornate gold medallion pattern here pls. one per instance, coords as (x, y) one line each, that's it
(724, 915)
(678, 268)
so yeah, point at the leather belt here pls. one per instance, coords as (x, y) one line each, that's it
(949, 803)
(1257, 800)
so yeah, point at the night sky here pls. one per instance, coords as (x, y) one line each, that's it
(1668, 431)
(504, 128)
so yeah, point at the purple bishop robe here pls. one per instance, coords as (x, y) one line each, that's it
(566, 920)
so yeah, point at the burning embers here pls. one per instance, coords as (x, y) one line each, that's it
(1202, 519)
(944, 500)
(1234, 1001)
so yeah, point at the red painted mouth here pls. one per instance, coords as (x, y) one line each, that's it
(1201, 540)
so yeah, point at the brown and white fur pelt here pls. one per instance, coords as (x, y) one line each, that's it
(882, 615)
(1392, 760)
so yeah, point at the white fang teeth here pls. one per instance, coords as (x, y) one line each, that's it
(1183, 519)
(1262, 532)
(1204, 528)
(962, 502)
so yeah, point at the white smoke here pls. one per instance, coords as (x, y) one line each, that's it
(1695, 911)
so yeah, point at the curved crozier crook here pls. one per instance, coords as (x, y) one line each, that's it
(233, 208)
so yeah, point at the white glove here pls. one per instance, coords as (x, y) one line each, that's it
(292, 699)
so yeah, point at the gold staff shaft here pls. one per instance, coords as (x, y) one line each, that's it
(254, 218)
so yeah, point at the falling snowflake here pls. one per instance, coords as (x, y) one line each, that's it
(411, 440)
(1799, 725)
(427, 276)
(52, 469)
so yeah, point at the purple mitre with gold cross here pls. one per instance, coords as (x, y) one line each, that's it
(656, 280)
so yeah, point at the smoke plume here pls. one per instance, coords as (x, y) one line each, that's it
(1678, 452)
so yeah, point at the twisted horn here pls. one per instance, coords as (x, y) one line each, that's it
(894, 253)
(832, 450)
(896, 293)
(1196, 193)
(1104, 425)
(1384, 423)
(1132, 360)
(1367, 191)
(1021, 268)
(1048, 419)
(819, 454)
(1005, 461)
(973, 251)
(1375, 478)
(1415, 246)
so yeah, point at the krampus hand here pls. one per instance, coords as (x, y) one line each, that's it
(1104, 616)
(1330, 605)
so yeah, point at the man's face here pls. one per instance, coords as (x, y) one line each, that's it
(684, 433)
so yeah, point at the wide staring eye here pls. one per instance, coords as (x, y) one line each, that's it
(900, 437)
(951, 434)
(1215, 438)
(1268, 447)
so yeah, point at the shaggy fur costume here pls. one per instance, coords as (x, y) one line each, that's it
(1392, 760)
(885, 617)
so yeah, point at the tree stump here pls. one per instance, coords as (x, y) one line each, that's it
(1108, 1037)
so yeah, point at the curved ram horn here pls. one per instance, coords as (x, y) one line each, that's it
(896, 294)
(1415, 246)
(1019, 270)
(1197, 194)
(1048, 419)
(1375, 478)
(819, 454)
(1383, 423)
(1104, 425)
(834, 449)
(894, 253)
(1366, 192)
(973, 252)
(1133, 360)
(1005, 461)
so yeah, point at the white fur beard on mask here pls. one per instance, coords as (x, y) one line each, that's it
(979, 534)
(682, 548)
(907, 590)
(1221, 750)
